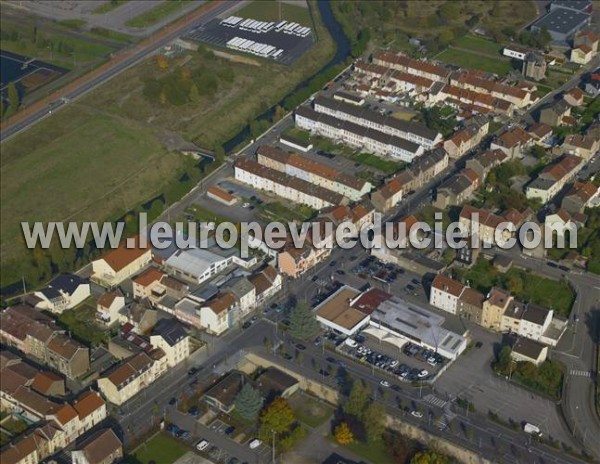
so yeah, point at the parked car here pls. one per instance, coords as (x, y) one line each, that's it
(229, 430)
(417, 414)
(202, 445)
(423, 373)
(384, 383)
(255, 443)
(193, 371)
(246, 324)
(300, 346)
(194, 411)
(172, 401)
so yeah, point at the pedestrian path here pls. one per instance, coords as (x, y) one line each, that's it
(432, 399)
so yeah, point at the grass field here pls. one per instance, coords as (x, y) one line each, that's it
(474, 61)
(84, 51)
(372, 452)
(78, 165)
(157, 13)
(310, 411)
(109, 5)
(479, 44)
(160, 449)
(269, 11)
(385, 166)
(104, 154)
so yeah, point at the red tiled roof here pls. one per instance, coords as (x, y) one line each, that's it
(226, 196)
(87, 403)
(122, 256)
(148, 277)
(448, 285)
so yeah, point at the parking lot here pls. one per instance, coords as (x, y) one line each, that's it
(411, 363)
(218, 35)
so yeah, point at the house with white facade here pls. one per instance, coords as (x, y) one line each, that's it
(445, 293)
(109, 307)
(171, 336)
(63, 292)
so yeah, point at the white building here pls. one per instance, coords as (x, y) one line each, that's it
(120, 263)
(445, 293)
(64, 292)
(109, 307)
(171, 336)
(196, 264)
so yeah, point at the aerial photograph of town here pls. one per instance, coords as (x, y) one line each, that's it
(300, 231)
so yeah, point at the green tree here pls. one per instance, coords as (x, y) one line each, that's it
(374, 421)
(278, 417)
(13, 99)
(358, 400)
(219, 154)
(194, 94)
(248, 402)
(504, 359)
(303, 323)
(449, 10)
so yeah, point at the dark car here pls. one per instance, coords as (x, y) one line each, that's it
(410, 287)
(331, 360)
(286, 356)
(246, 324)
(333, 263)
(340, 272)
(300, 346)
(194, 411)
(314, 278)
(396, 387)
(551, 264)
(229, 430)
(172, 401)
(323, 372)
(193, 371)
(286, 322)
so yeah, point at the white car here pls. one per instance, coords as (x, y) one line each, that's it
(246, 205)
(255, 443)
(423, 373)
(384, 383)
(202, 445)
(351, 343)
(417, 414)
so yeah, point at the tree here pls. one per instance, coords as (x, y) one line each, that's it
(358, 400)
(445, 37)
(514, 284)
(343, 434)
(449, 10)
(194, 94)
(429, 457)
(248, 402)
(374, 421)
(13, 99)
(163, 62)
(504, 359)
(303, 324)
(219, 154)
(278, 417)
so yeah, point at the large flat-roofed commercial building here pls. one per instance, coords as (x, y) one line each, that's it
(562, 23)
(409, 323)
(196, 264)
(337, 313)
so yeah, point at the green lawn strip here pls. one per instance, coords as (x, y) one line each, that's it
(157, 13)
(160, 449)
(311, 411)
(525, 286)
(108, 6)
(296, 133)
(385, 166)
(474, 61)
(262, 10)
(14, 426)
(374, 451)
(479, 44)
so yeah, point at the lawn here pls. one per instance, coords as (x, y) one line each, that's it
(14, 426)
(157, 13)
(109, 5)
(4, 439)
(105, 154)
(385, 166)
(525, 286)
(474, 61)
(296, 133)
(160, 449)
(276, 211)
(269, 11)
(81, 322)
(375, 451)
(77, 165)
(310, 411)
(479, 44)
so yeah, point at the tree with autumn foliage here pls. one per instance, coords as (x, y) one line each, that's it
(343, 434)
(277, 417)
(163, 62)
(430, 457)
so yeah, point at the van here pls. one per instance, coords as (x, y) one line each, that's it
(532, 429)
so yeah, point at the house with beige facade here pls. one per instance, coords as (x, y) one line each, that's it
(172, 338)
(109, 307)
(121, 263)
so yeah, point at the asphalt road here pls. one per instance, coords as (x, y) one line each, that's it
(110, 73)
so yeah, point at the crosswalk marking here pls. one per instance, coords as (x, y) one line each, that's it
(432, 399)
(580, 373)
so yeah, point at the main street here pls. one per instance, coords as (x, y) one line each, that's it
(40, 110)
